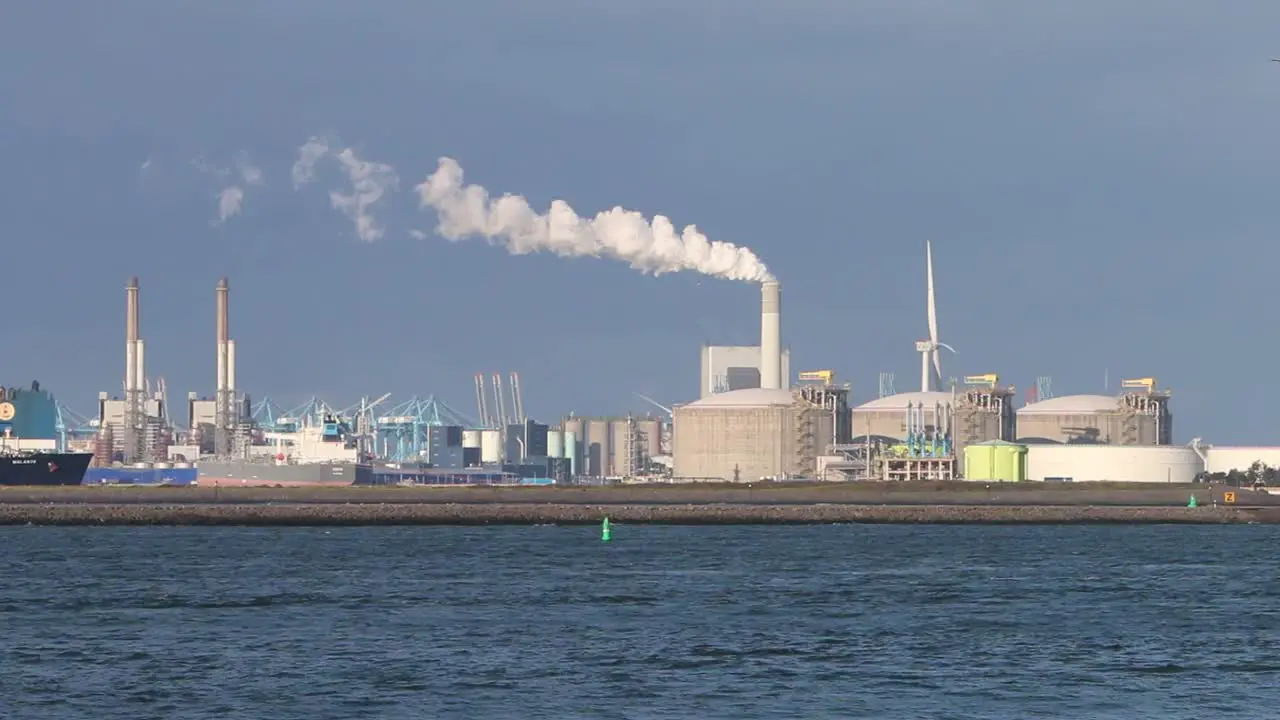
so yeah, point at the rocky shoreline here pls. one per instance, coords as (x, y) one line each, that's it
(860, 493)
(358, 514)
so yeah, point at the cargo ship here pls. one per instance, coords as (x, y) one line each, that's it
(319, 450)
(28, 428)
(43, 468)
(273, 472)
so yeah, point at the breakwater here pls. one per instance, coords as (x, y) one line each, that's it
(355, 514)
(860, 493)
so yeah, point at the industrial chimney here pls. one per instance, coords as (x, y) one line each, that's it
(223, 335)
(131, 379)
(771, 335)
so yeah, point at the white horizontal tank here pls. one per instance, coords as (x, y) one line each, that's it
(1117, 463)
(490, 447)
(1225, 458)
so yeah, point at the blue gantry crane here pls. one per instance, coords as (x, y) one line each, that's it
(401, 434)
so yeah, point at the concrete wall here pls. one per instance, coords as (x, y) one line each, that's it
(1112, 428)
(761, 442)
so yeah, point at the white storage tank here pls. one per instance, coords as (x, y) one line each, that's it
(571, 450)
(490, 447)
(1225, 458)
(470, 438)
(555, 444)
(1118, 463)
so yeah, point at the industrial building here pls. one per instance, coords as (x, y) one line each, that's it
(726, 368)
(981, 411)
(1140, 416)
(749, 434)
(134, 428)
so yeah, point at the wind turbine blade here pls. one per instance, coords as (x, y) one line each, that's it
(944, 345)
(937, 368)
(933, 310)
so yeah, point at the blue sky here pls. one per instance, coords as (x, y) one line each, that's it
(1097, 179)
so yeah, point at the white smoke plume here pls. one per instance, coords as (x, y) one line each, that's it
(229, 203)
(231, 197)
(370, 183)
(652, 248)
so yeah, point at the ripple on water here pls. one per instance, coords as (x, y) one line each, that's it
(665, 622)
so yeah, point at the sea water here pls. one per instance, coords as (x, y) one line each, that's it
(663, 622)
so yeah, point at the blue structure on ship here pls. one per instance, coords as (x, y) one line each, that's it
(35, 413)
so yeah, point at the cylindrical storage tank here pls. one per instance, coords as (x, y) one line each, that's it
(979, 462)
(555, 444)
(490, 447)
(995, 460)
(180, 465)
(651, 431)
(1119, 463)
(141, 465)
(470, 438)
(571, 451)
(162, 466)
(1010, 462)
(575, 425)
(596, 451)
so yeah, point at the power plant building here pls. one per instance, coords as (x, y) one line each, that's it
(755, 433)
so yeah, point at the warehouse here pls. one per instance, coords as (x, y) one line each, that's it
(748, 435)
(1095, 463)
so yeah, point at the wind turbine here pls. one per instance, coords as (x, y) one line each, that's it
(930, 355)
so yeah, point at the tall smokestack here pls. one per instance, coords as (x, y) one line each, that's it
(140, 367)
(223, 333)
(231, 365)
(771, 335)
(131, 335)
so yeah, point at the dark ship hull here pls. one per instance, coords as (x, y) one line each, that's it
(44, 468)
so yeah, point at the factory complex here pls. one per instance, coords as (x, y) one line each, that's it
(754, 420)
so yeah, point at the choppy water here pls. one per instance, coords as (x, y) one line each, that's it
(547, 622)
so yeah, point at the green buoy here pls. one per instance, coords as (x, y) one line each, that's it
(1192, 502)
(605, 534)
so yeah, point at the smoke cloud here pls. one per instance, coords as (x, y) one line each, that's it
(229, 203)
(652, 248)
(370, 183)
(231, 197)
